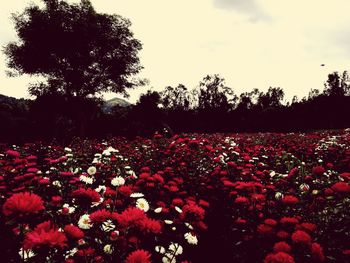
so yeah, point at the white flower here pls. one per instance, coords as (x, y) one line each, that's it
(108, 249)
(191, 239)
(137, 195)
(142, 204)
(66, 149)
(272, 173)
(86, 179)
(107, 226)
(178, 209)
(101, 188)
(57, 184)
(160, 249)
(106, 153)
(168, 222)
(189, 226)
(112, 150)
(158, 210)
(96, 160)
(169, 258)
(118, 181)
(71, 209)
(26, 254)
(173, 228)
(176, 248)
(71, 252)
(84, 222)
(91, 170)
(93, 204)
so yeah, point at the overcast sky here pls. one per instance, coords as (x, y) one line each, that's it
(251, 43)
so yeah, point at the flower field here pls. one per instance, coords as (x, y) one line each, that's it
(189, 198)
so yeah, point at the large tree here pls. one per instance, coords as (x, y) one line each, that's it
(80, 52)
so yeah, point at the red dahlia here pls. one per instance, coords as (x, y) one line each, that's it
(280, 257)
(139, 256)
(23, 204)
(44, 234)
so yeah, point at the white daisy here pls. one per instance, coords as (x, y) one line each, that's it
(91, 170)
(158, 210)
(26, 254)
(176, 248)
(137, 195)
(160, 249)
(168, 222)
(107, 226)
(108, 249)
(118, 181)
(84, 222)
(169, 258)
(71, 209)
(178, 209)
(101, 188)
(191, 239)
(142, 204)
(86, 179)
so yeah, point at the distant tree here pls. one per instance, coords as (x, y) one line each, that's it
(79, 51)
(271, 99)
(313, 93)
(177, 98)
(337, 85)
(213, 94)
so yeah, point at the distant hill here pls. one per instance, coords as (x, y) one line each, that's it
(109, 104)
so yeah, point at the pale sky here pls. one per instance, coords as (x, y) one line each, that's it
(250, 43)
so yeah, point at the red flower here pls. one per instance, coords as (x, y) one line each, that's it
(317, 252)
(289, 220)
(139, 256)
(341, 187)
(270, 222)
(22, 204)
(242, 200)
(282, 234)
(73, 232)
(308, 226)
(280, 257)
(265, 229)
(318, 170)
(300, 236)
(88, 195)
(290, 199)
(100, 216)
(282, 247)
(44, 234)
(192, 211)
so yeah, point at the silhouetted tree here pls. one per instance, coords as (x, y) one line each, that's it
(337, 85)
(78, 50)
(177, 98)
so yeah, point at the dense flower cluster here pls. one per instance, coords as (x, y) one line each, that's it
(187, 198)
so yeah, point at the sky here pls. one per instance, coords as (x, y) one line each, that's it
(250, 43)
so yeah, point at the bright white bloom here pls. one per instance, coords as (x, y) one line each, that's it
(169, 258)
(71, 252)
(118, 181)
(173, 228)
(158, 210)
(178, 209)
(112, 150)
(101, 188)
(69, 155)
(107, 226)
(96, 160)
(91, 170)
(168, 222)
(84, 222)
(127, 167)
(137, 195)
(176, 248)
(71, 209)
(272, 173)
(86, 179)
(106, 153)
(108, 249)
(160, 249)
(26, 254)
(97, 203)
(189, 226)
(57, 184)
(66, 149)
(142, 204)
(191, 239)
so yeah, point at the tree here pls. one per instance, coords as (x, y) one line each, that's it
(213, 94)
(177, 98)
(336, 85)
(80, 52)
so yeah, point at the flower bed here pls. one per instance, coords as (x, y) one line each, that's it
(189, 198)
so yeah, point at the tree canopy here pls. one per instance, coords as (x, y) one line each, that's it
(79, 51)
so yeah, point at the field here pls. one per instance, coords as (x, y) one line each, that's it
(189, 198)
